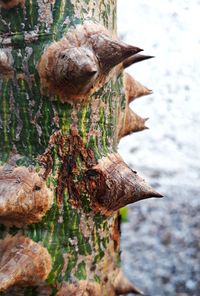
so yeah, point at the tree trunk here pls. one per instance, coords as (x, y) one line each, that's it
(63, 108)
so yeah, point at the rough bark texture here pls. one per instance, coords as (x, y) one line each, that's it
(61, 181)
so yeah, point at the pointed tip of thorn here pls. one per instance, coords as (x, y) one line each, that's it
(137, 291)
(123, 286)
(133, 50)
(155, 194)
(136, 58)
(133, 88)
(147, 57)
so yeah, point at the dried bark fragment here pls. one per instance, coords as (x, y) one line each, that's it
(112, 185)
(123, 286)
(24, 196)
(69, 148)
(8, 4)
(22, 262)
(80, 63)
(82, 288)
(133, 88)
(132, 123)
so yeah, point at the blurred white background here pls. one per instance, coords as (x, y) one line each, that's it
(161, 240)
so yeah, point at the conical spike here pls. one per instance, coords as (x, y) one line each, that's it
(77, 68)
(22, 261)
(80, 288)
(70, 72)
(135, 59)
(24, 196)
(109, 52)
(112, 185)
(123, 286)
(82, 62)
(133, 123)
(133, 88)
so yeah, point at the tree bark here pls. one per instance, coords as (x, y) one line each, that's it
(61, 180)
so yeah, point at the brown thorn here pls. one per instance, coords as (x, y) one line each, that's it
(155, 194)
(67, 71)
(83, 61)
(110, 52)
(135, 59)
(133, 88)
(133, 123)
(123, 286)
(112, 185)
(23, 262)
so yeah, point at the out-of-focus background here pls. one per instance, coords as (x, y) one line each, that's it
(161, 239)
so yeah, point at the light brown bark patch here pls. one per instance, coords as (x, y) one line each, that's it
(82, 288)
(24, 196)
(22, 262)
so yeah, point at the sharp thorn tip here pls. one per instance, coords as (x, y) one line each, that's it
(156, 194)
(150, 57)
